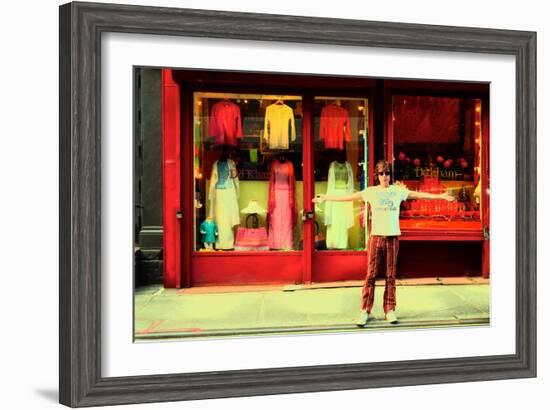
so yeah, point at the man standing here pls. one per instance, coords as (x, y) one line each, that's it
(383, 244)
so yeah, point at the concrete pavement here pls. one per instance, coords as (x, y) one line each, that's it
(253, 310)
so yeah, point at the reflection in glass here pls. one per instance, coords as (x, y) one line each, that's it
(437, 148)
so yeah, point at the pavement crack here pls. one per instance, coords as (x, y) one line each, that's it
(148, 301)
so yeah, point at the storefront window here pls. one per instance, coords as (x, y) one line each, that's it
(248, 172)
(437, 148)
(340, 168)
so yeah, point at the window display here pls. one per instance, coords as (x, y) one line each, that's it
(340, 169)
(437, 148)
(248, 157)
(251, 147)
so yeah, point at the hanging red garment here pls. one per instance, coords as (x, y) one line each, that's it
(282, 212)
(335, 127)
(225, 123)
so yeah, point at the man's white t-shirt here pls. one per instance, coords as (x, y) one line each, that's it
(384, 204)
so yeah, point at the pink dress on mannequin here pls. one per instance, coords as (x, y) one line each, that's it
(282, 205)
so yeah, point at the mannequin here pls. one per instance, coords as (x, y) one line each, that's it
(224, 153)
(339, 215)
(224, 194)
(340, 156)
(209, 232)
(281, 157)
(282, 212)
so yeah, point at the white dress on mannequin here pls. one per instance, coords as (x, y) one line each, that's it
(224, 205)
(339, 215)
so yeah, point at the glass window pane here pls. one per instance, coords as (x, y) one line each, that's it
(437, 148)
(340, 168)
(248, 171)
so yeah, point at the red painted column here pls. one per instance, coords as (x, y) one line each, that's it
(171, 180)
(187, 187)
(308, 188)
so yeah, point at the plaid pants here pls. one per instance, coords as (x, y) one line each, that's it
(378, 247)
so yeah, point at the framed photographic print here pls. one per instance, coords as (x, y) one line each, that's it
(248, 200)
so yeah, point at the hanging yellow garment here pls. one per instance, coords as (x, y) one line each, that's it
(279, 125)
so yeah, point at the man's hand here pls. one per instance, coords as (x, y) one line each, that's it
(318, 199)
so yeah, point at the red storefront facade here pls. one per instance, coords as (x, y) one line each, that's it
(436, 134)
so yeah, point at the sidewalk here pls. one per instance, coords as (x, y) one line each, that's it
(224, 311)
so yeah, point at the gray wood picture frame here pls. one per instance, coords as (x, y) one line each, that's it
(81, 27)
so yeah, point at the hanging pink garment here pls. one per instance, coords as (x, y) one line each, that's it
(282, 213)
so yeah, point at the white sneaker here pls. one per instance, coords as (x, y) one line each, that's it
(362, 319)
(390, 317)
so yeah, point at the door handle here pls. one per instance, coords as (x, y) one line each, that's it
(179, 214)
(308, 215)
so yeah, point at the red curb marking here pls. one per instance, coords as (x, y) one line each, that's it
(184, 329)
(156, 323)
(152, 326)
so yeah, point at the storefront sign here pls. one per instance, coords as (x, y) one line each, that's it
(436, 172)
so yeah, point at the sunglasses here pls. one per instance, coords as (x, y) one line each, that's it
(384, 173)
